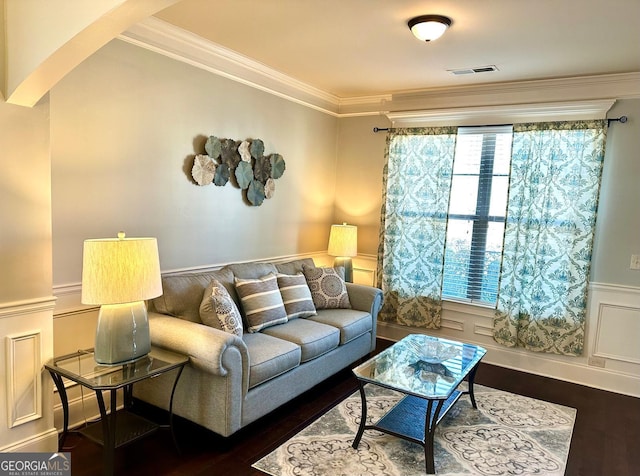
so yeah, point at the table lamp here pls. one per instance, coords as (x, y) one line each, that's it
(343, 244)
(119, 274)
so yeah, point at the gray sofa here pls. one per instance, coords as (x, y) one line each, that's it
(232, 381)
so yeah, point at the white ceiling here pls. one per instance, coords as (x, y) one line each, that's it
(353, 48)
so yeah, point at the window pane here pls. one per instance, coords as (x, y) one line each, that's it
(469, 149)
(479, 190)
(457, 258)
(464, 192)
(492, 262)
(499, 190)
(502, 156)
(461, 263)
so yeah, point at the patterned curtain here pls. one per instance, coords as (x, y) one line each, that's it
(416, 184)
(553, 197)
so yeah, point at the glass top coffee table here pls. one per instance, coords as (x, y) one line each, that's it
(428, 371)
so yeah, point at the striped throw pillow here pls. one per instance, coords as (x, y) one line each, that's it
(261, 302)
(296, 295)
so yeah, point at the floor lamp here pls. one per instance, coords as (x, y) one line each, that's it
(343, 244)
(119, 275)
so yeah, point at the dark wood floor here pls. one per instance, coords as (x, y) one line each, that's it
(605, 440)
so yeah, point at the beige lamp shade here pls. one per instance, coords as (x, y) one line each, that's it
(343, 240)
(120, 270)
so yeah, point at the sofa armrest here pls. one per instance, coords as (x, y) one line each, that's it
(365, 298)
(205, 346)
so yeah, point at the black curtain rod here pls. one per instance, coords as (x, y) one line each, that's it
(621, 119)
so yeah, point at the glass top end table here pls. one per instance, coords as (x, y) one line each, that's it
(428, 370)
(117, 427)
(81, 367)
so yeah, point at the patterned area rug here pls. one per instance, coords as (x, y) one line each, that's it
(507, 435)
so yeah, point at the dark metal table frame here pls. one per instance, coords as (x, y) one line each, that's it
(401, 420)
(117, 428)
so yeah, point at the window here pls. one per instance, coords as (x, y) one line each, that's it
(476, 218)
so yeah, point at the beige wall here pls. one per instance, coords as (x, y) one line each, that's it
(25, 212)
(125, 125)
(359, 179)
(26, 304)
(618, 222)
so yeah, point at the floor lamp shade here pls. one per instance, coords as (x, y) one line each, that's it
(343, 244)
(119, 275)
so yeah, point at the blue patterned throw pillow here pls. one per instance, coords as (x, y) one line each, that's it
(328, 289)
(219, 310)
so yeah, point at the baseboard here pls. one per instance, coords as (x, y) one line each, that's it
(46, 442)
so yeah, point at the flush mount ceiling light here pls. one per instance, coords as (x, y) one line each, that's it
(429, 27)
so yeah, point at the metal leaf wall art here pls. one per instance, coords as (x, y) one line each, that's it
(242, 163)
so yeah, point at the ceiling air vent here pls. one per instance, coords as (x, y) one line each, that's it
(480, 69)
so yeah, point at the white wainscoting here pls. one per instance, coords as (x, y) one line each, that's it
(614, 314)
(24, 388)
(612, 352)
(26, 335)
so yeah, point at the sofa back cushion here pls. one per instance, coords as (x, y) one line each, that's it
(252, 270)
(295, 266)
(182, 293)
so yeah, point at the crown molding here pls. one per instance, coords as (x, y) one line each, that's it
(582, 88)
(166, 39)
(174, 42)
(503, 114)
(626, 83)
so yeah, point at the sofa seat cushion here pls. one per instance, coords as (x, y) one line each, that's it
(352, 323)
(314, 338)
(269, 357)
